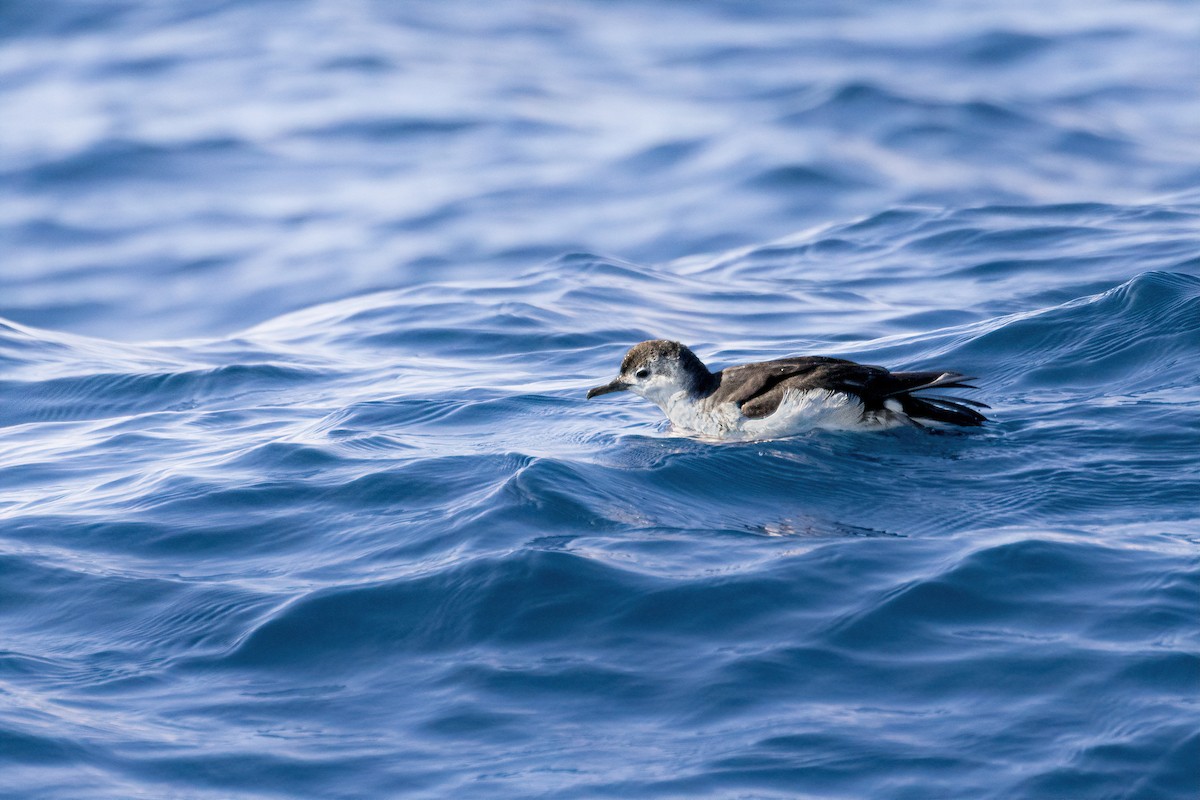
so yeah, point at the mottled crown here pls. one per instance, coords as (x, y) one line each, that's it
(662, 350)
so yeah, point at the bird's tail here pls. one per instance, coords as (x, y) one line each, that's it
(949, 410)
(938, 408)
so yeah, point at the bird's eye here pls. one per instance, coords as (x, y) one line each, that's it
(643, 373)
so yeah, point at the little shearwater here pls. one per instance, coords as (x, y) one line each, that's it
(786, 396)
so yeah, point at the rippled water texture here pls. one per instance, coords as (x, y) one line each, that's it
(300, 497)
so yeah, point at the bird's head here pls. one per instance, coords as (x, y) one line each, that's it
(657, 370)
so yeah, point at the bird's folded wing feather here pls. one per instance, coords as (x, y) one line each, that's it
(758, 389)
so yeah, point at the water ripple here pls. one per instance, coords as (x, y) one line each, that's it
(302, 496)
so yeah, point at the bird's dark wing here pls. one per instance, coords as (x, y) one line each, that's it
(758, 389)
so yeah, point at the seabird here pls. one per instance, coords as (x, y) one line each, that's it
(776, 398)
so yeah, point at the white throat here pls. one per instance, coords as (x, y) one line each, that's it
(692, 414)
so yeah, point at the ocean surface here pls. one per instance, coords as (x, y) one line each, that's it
(300, 496)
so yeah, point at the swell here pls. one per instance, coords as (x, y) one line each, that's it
(105, 396)
(382, 546)
(1134, 337)
(532, 627)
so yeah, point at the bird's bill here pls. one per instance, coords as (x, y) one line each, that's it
(617, 385)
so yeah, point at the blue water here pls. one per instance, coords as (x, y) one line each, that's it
(300, 497)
